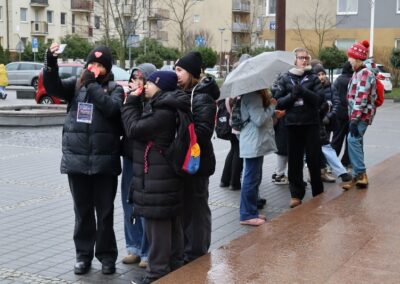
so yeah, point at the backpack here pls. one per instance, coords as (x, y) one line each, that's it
(223, 128)
(236, 117)
(380, 93)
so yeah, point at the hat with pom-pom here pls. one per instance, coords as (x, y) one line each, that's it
(359, 50)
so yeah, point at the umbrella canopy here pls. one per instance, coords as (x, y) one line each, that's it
(256, 73)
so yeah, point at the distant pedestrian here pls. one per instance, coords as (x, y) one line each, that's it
(135, 236)
(361, 111)
(300, 94)
(157, 191)
(3, 81)
(197, 214)
(91, 152)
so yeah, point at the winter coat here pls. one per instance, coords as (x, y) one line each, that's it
(3, 76)
(257, 137)
(204, 109)
(89, 148)
(333, 102)
(302, 111)
(340, 88)
(156, 189)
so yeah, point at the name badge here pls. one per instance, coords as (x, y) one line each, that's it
(299, 102)
(85, 113)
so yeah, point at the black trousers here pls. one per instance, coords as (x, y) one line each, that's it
(165, 246)
(302, 140)
(339, 136)
(196, 218)
(233, 165)
(94, 194)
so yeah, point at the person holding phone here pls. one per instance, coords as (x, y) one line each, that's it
(91, 152)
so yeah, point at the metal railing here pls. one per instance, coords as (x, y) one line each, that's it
(39, 27)
(241, 6)
(240, 27)
(40, 2)
(158, 14)
(82, 5)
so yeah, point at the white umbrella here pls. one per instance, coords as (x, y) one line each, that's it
(256, 73)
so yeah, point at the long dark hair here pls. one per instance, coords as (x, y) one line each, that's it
(266, 97)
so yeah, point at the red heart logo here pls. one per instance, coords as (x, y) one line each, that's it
(98, 54)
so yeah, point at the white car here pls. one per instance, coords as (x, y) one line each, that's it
(384, 76)
(213, 71)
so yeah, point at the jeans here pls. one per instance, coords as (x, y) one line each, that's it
(252, 176)
(356, 151)
(135, 237)
(333, 160)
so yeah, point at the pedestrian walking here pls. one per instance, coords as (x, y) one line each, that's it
(300, 94)
(91, 152)
(197, 214)
(135, 236)
(361, 92)
(156, 189)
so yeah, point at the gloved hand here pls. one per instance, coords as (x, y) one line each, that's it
(297, 92)
(87, 78)
(326, 120)
(353, 129)
(51, 59)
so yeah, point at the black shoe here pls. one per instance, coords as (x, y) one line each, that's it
(108, 268)
(346, 177)
(144, 280)
(234, 187)
(82, 267)
(222, 184)
(260, 203)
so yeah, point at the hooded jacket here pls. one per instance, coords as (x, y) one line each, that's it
(204, 109)
(156, 190)
(340, 87)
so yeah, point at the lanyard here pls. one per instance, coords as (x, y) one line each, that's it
(301, 82)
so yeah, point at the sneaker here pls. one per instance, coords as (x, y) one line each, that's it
(4, 96)
(349, 185)
(273, 177)
(346, 177)
(362, 180)
(294, 202)
(327, 177)
(143, 264)
(261, 202)
(130, 259)
(282, 179)
(253, 222)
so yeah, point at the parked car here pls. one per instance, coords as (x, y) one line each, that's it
(385, 77)
(67, 70)
(23, 73)
(168, 67)
(214, 71)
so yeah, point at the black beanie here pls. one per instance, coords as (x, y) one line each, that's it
(165, 80)
(191, 62)
(318, 68)
(101, 54)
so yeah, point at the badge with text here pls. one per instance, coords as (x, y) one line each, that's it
(84, 113)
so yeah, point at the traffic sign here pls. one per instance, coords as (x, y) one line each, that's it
(20, 48)
(272, 25)
(35, 44)
(200, 41)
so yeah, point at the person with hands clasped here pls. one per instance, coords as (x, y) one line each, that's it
(300, 95)
(91, 152)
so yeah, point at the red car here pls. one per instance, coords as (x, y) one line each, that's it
(75, 69)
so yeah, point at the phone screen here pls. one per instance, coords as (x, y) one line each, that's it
(61, 48)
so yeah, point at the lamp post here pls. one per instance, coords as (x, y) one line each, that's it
(371, 30)
(220, 55)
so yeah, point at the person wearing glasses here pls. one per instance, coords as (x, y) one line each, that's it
(300, 94)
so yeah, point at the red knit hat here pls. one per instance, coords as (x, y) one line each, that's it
(359, 50)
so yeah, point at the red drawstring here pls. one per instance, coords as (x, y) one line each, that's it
(146, 154)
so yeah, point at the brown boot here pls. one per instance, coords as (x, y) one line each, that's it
(362, 180)
(349, 185)
(327, 177)
(294, 202)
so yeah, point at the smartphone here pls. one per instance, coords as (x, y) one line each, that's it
(60, 48)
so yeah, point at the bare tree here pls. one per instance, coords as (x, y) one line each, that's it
(190, 38)
(179, 14)
(323, 25)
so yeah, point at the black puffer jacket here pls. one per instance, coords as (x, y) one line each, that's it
(305, 112)
(340, 87)
(204, 109)
(89, 148)
(157, 190)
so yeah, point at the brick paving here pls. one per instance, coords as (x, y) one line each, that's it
(36, 211)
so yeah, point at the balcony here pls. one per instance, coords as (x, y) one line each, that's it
(39, 28)
(83, 30)
(82, 6)
(241, 6)
(240, 28)
(162, 35)
(127, 10)
(158, 14)
(39, 3)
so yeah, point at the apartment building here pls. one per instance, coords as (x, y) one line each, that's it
(341, 22)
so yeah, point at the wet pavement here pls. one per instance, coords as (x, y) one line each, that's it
(36, 219)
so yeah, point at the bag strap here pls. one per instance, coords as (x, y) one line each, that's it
(191, 96)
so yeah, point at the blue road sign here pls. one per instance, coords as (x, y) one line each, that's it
(35, 44)
(200, 41)
(272, 25)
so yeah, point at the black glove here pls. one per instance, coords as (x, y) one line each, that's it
(297, 91)
(87, 78)
(51, 60)
(353, 129)
(326, 120)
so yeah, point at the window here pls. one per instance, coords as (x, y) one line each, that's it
(49, 17)
(347, 7)
(269, 43)
(22, 14)
(73, 23)
(344, 44)
(397, 43)
(398, 6)
(97, 22)
(50, 41)
(24, 40)
(63, 16)
(196, 18)
(1, 13)
(271, 7)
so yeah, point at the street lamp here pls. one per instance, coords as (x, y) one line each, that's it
(220, 55)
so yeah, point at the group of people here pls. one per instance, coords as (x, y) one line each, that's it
(167, 219)
(312, 119)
